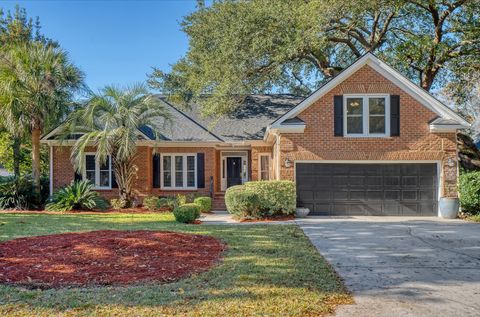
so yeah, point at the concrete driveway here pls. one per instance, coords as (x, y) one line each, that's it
(402, 266)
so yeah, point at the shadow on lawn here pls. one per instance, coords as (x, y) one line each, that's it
(261, 260)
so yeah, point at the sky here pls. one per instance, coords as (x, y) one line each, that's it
(114, 42)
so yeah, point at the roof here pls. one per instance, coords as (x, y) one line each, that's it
(180, 127)
(421, 95)
(251, 119)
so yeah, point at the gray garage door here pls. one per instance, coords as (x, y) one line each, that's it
(367, 189)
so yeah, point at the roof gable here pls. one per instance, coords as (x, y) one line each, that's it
(422, 96)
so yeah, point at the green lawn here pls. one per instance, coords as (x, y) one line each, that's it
(268, 270)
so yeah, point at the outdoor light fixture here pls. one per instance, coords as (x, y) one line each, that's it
(288, 163)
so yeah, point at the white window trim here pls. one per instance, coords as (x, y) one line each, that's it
(260, 155)
(366, 116)
(97, 171)
(172, 171)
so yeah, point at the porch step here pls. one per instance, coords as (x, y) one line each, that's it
(219, 201)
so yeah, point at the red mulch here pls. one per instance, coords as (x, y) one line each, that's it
(269, 219)
(106, 258)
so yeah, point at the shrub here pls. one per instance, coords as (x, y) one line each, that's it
(18, 193)
(168, 203)
(78, 195)
(261, 199)
(187, 213)
(243, 203)
(469, 190)
(151, 202)
(118, 203)
(205, 203)
(181, 200)
(276, 197)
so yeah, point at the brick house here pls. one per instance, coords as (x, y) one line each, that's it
(368, 142)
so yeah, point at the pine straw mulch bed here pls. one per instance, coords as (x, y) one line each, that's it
(106, 257)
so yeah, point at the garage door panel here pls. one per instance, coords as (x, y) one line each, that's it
(374, 195)
(369, 210)
(409, 195)
(391, 181)
(391, 194)
(323, 195)
(357, 195)
(340, 195)
(367, 189)
(340, 181)
(373, 181)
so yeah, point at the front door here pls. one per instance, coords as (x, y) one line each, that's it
(234, 171)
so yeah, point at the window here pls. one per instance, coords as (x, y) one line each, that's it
(99, 174)
(367, 115)
(179, 171)
(264, 167)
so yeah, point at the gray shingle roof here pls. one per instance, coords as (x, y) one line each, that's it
(180, 127)
(250, 120)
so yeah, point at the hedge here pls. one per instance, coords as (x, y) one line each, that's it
(187, 213)
(276, 197)
(243, 203)
(261, 199)
(205, 203)
(469, 191)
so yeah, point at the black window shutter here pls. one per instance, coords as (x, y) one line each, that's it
(156, 170)
(338, 115)
(77, 176)
(114, 179)
(200, 170)
(395, 115)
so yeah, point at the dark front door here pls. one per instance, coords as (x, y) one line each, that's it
(398, 189)
(234, 171)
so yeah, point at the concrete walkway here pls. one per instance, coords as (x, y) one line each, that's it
(402, 266)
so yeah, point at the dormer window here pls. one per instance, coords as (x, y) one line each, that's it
(366, 115)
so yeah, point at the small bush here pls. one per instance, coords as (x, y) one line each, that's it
(18, 193)
(469, 191)
(181, 200)
(118, 203)
(187, 213)
(167, 203)
(78, 195)
(276, 197)
(243, 203)
(151, 203)
(205, 203)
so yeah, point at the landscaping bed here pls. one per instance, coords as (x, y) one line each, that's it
(267, 270)
(106, 257)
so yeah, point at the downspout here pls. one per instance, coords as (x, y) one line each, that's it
(51, 170)
(277, 135)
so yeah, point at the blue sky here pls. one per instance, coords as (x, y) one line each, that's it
(114, 42)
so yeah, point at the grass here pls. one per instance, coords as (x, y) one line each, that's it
(268, 270)
(475, 218)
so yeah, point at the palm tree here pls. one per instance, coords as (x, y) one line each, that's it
(110, 122)
(39, 82)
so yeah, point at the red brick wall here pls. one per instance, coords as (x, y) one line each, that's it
(256, 151)
(63, 171)
(414, 143)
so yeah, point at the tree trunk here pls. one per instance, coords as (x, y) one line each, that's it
(16, 156)
(36, 162)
